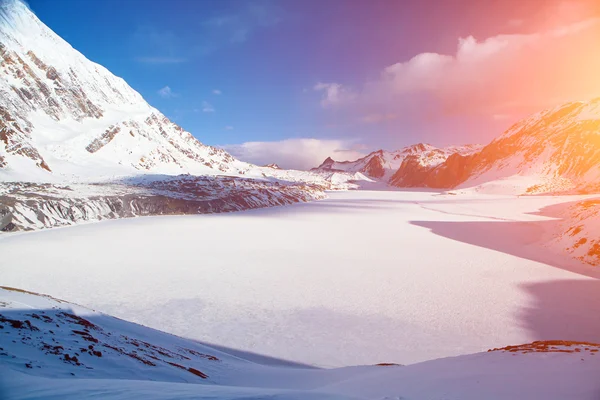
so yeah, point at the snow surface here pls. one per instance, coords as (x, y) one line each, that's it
(394, 276)
(52, 349)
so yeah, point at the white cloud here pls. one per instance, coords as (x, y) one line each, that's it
(334, 94)
(207, 107)
(217, 91)
(166, 92)
(300, 154)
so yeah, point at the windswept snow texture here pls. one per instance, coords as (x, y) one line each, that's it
(53, 349)
(359, 278)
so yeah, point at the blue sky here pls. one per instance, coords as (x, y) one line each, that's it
(232, 72)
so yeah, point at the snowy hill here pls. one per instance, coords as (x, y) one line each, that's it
(50, 348)
(556, 150)
(383, 164)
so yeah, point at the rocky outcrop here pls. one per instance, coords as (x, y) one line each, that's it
(374, 168)
(29, 206)
(272, 165)
(105, 138)
(16, 140)
(579, 230)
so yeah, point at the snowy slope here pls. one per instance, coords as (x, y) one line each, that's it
(579, 233)
(382, 164)
(557, 150)
(50, 348)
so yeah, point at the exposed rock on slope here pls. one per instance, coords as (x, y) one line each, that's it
(383, 164)
(273, 165)
(27, 206)
(580, 231)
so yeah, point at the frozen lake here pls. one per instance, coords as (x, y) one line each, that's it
(360, 278)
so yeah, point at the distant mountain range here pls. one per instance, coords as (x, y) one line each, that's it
(556, 150)
(383, 164)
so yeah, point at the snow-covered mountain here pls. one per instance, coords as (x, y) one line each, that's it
(64, 117)
(50, 348)
(60, 112)
(551, 151)
(381, 164)
(81, 134)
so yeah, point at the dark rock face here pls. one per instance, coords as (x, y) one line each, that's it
(54, 205)
(327, 164)
(105, 138)
(453, 171)
(374, 167)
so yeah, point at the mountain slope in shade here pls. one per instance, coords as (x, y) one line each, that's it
(61, 112)
(551, 151)
(383, 164)
(50, 348)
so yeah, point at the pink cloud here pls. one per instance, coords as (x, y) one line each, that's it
(502, 75)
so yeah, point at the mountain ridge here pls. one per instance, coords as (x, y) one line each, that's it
(555, 150)
(381, 164)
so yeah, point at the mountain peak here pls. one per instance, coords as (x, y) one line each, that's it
(272, 165)
(63, 113)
